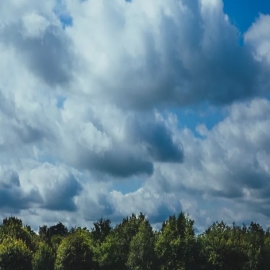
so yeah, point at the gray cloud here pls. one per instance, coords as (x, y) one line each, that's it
(9, 179)
(142, 141)
(116, 162)
(57, 187)
(117, 71)
(12, 196)
(60, 197)
(101, 207)
(191, 54)
(52, 188)
(158, 140)
(258, 38)
(17, 128)
(229, 165)
(47, 53)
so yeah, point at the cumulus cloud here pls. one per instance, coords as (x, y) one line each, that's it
(57, 186)
(43, 47)
(258, 36)
(44, 186)
(177, 52)
(157, 139)
(88, 103)
(226, 173)
(127, 148)
(229, 162)
(13, 196)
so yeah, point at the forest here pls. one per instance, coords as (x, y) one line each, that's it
(133, 244)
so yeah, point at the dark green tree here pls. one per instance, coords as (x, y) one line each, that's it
(255, 238)
(142, 249)
(101, 229)
(15, 255)
(225, 247)
(44, 258)
(53, 235)
(75, 252)
(176, 246)
(46, 233)
(12, 227)
(114, 251)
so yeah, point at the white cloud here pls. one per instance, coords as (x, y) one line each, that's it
(83, 105)
(34, 25)
(57, 186)
(258, 36)
(228, 166)
(177, 52)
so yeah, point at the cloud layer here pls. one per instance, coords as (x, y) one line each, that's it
(89, 92)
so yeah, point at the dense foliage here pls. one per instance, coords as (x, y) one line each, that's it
(133, 244)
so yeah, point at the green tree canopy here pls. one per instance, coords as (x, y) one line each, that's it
(43, 259)
(142, 249)
(13, 228)
(176, 244)
(15, 255)
(101, 229)
(114, 251)
(75, 252)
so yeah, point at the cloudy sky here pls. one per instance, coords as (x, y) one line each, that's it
(109, 108)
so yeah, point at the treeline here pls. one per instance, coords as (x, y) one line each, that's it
(133, 244)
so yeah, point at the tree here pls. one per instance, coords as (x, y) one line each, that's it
(14, 255)
(75, 252)
(266, 251)
(53, 235)
(46, 233)
(101, 229)
(256, 238)
(43, 259)
(58, 229)
(141, 250)
(114, 251)
(176, 244)
(224, 247)
(12, 227)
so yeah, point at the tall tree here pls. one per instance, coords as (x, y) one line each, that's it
(12, 227)
(114, 251)
(75, 252)
(176, 243)
(14, 255)
(225, 247)
(44, 258)
(256, 236)
(142, 249)
(53, 235)
(101, 229)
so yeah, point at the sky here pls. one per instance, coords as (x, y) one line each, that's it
(109, 108)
